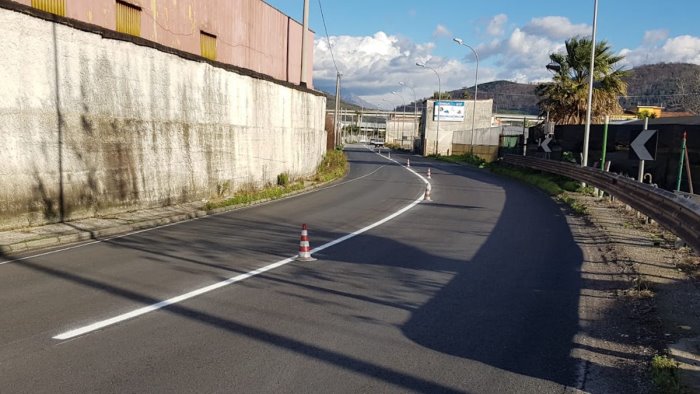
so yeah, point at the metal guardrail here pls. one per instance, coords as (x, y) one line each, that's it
(678, 214)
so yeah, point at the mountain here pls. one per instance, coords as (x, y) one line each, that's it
(351, 102)
(674, 86)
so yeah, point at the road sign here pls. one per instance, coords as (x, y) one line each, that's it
(545, 145)
(644, 145)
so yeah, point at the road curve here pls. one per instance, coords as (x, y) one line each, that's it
(476, 291)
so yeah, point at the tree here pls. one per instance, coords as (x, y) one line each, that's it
(643, 114)
(689, 93)
(566, 98)
(443, 96)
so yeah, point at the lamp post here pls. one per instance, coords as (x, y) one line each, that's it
(415, 101)
(476, 87)
(386, 125)
(587, 132)
(404, 114)
(437, 129)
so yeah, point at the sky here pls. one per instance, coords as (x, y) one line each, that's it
(376, 44)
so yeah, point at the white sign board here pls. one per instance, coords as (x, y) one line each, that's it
(449, 111)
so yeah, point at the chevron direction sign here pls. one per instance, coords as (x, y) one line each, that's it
(643, 146)
(545, 145)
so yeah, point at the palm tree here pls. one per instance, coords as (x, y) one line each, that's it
(566, 97)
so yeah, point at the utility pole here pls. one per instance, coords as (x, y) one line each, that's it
(304, 45)
(337, 108)
(591, 68)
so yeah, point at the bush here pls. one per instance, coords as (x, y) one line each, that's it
(283, 179)
(664, 373)
(333, 166)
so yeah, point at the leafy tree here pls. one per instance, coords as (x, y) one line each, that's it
(443, 96)
(643, 114)
(566, 97)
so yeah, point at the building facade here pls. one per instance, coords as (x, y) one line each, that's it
(249, 34)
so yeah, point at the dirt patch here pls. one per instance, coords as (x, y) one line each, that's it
(643, 298)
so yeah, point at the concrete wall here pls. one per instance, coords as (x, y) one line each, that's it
(486, 142)
(444, 134)
(250, 33)
(107, 125)
(402, 131)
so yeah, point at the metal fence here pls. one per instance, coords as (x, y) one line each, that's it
(678, 214)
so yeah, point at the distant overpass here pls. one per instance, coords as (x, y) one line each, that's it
(376, 119)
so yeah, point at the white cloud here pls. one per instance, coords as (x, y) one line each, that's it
(373, 67)
(441, 31)
(496, 25)
(681, 49)
(556, 28)
(653, 37)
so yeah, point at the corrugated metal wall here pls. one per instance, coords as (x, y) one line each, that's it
(249, 33)
(57, 7)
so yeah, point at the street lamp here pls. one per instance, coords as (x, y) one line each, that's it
(437, 129)
(587, 132)
(404, 114)
(476, 86)
(415, 101)
(386, 125)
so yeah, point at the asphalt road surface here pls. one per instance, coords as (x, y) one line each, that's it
(461, 294)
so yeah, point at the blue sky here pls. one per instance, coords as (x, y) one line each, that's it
(377, 43)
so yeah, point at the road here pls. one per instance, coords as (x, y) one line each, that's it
(476, 291)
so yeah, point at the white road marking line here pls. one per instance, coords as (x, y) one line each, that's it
(177, 299)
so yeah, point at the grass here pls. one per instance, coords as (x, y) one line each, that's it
(665, 374)
(333, 166)
(552, 184)
(467, 158)
(642, 289)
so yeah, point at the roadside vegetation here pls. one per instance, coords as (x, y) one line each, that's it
(554, 185)
(334, 166)
(665, 373)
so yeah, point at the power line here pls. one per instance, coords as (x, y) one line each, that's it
(330, 47)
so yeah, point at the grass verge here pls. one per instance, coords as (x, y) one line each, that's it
(333, 166)
(466, 158)
(552, 184)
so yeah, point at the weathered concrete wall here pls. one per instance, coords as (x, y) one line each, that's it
(444, 134)
(485, 145)
(109, 125)
(402, 131)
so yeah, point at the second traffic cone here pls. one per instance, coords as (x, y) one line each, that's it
(304, 246)
(429, 173)
(408, 162)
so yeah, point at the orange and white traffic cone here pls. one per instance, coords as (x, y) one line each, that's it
(304, 246)
(428, 188)
(428, 173)
(408, 163)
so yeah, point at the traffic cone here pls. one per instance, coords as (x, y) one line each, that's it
(389, 154)
(408, 163)
(428, 173)
(304, 247)
(428, 188)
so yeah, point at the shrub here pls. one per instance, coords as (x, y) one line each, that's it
(664, 373)
(283, 179)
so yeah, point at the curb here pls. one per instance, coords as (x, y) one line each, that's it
(86, 235)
